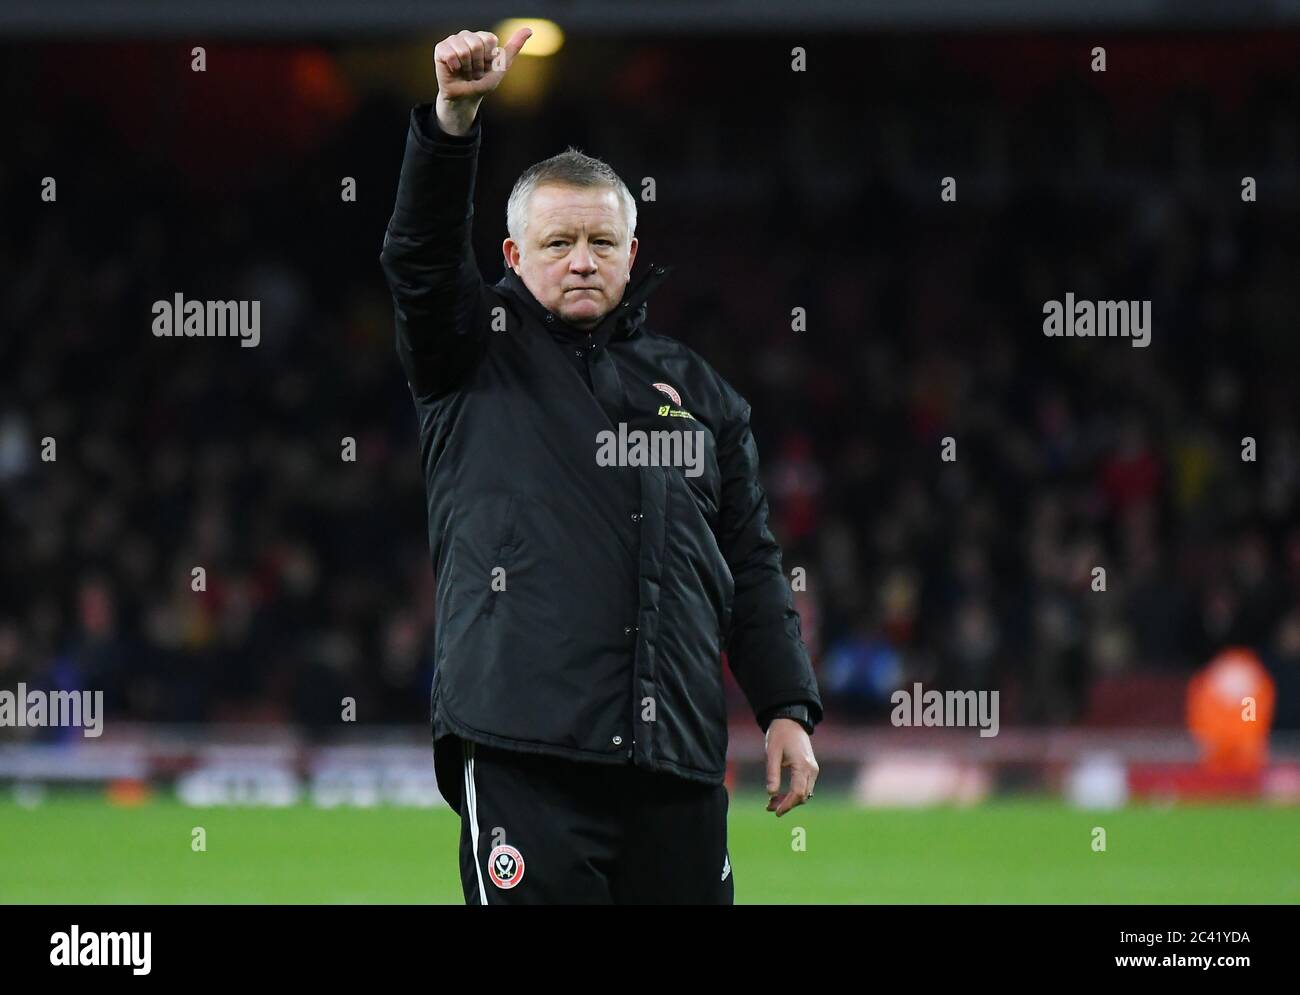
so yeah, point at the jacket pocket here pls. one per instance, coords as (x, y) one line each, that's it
(726, 589)
(500, 582)
(728, 600)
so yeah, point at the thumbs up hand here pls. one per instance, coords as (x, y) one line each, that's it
(469, 66)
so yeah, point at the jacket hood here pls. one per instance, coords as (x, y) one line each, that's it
(622, 322)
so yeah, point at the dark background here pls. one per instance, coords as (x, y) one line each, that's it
(775, 190)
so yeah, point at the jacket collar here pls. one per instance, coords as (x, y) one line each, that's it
(626, 317)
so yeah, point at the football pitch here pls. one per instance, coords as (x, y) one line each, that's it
(77, 850)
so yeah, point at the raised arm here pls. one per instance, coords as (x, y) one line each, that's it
(428, 257)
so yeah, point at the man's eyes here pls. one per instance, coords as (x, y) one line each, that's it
(564, 241)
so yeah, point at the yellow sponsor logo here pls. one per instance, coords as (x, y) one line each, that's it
(668, 411)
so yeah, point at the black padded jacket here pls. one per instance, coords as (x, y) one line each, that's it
(583, 610)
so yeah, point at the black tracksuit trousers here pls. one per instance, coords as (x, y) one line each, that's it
(545, 830)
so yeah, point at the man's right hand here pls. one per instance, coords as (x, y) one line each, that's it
(469, 67)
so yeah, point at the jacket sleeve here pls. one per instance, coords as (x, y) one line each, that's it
(428, 258)
(765, 647)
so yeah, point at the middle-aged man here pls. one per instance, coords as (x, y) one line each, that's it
(598, 531)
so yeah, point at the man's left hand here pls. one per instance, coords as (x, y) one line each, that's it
(789, 746)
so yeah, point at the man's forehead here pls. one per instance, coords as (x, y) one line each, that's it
(554, 204)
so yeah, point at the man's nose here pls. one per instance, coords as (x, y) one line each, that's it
(581, 260)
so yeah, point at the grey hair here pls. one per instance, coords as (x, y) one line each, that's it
(569, 168)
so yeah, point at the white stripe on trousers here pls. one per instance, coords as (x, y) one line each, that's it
(471, 800)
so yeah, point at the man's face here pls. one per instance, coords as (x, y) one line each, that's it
(575, 255)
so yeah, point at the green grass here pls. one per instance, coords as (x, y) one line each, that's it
(82, 850)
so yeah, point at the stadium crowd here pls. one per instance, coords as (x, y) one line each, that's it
(923, 322)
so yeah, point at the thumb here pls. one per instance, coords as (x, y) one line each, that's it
(516, 42)
(773, 769)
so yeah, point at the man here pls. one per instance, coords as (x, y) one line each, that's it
(585, 593)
